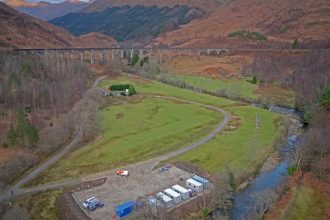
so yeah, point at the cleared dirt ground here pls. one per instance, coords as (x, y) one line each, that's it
(142, 182)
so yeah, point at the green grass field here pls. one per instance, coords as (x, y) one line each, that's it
(240, 150)
(307, 205)
(135, 132)
(234, 87)
(149, 126)
(147, 87)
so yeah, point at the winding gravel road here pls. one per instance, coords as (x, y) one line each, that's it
(53, 159)
(19, 191)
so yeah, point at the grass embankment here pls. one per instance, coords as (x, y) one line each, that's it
(240, 149)
(308, 204)
(40, 205)
(157, 88)
(241, 88)
(233, 86)
(135, 132)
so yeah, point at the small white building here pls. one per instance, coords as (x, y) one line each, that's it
(194, 185)
(168, 202)
(183, 192)
(173, 195)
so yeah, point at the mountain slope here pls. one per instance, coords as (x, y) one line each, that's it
(279, 20)
(129, 22)
(19, 30)
(46, 10)
(206, 5)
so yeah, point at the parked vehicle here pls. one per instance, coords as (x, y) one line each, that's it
(94, 205)
(88, 201)
(165, 168)
(122, 173)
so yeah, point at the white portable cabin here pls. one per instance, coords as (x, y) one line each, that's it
(173, 195)
(184, 192)
(194, 185)
(202, 180)
(168, 202)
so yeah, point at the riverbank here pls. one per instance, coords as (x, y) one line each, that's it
(257, 195)
(307, 197)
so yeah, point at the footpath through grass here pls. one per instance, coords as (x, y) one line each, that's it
(136, 132)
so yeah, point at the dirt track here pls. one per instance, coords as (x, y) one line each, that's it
(13, 190)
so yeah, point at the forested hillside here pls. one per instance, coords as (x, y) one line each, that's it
(39, 108)
(126, 22)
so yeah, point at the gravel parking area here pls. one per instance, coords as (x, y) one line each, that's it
(141, 182)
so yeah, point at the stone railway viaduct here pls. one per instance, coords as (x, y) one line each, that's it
(91, 55)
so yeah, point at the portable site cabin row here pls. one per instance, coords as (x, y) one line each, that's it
(194, 185)
(184, 192)
(176, 197)
(202, 180)
(168, 202)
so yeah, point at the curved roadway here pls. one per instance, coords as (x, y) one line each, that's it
(19, 191)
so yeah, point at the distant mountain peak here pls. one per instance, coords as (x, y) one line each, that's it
(47, 10)
(19, 30)
(21, 3)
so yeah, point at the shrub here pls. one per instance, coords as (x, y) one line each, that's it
(123, 87)
(295, 44)
(131, 90)
(308, 117)
(325, 97)
(247, 35)
(254, 80)
(231, 180)
(292, 170)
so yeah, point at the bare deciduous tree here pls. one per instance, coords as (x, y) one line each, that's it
(262, 202)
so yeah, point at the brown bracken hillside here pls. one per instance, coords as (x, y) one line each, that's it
(281, 21)
(19, 30)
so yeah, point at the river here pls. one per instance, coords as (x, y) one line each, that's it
(244, 201)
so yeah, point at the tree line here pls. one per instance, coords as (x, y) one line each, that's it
(42, 86)
(47, 81)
